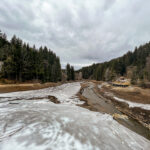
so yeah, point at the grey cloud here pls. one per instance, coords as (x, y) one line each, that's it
(80, 32)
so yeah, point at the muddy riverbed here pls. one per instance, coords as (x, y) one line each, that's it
(101, 104)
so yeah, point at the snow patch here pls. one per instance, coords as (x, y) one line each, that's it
(100, 86)
(134, 104)
(64, 93)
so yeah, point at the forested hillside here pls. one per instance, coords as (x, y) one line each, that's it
(135, 65)
(22, 62)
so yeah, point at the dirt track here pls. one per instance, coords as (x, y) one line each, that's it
(99, 102)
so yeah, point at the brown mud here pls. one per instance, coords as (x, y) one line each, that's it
(98, 101)
(53, 99)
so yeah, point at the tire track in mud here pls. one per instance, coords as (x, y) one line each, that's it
(96, 102)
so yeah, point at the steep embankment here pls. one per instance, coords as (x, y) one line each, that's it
(98, 101)
(132, 101)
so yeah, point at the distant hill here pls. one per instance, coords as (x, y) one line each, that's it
(134, 65)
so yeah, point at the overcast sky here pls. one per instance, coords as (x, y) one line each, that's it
(80, 32)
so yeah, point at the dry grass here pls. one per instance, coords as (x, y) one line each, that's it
(134, 94)
(5, 88)
(116, 116)
(131, 93)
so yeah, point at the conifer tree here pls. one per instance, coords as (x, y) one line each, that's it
(72, 73)
(68, 72)
(22, 62)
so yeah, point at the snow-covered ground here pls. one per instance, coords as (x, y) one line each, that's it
(65, 93)
(100, 86)
(133, 104)
(38, 124)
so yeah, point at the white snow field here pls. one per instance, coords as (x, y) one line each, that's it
(134, 104)
(38, 124)
(65, 93)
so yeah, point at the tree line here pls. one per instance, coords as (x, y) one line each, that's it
(136, 62)
(70, 72)
(21, 62)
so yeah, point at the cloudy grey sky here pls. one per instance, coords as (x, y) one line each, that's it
(81, 32)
